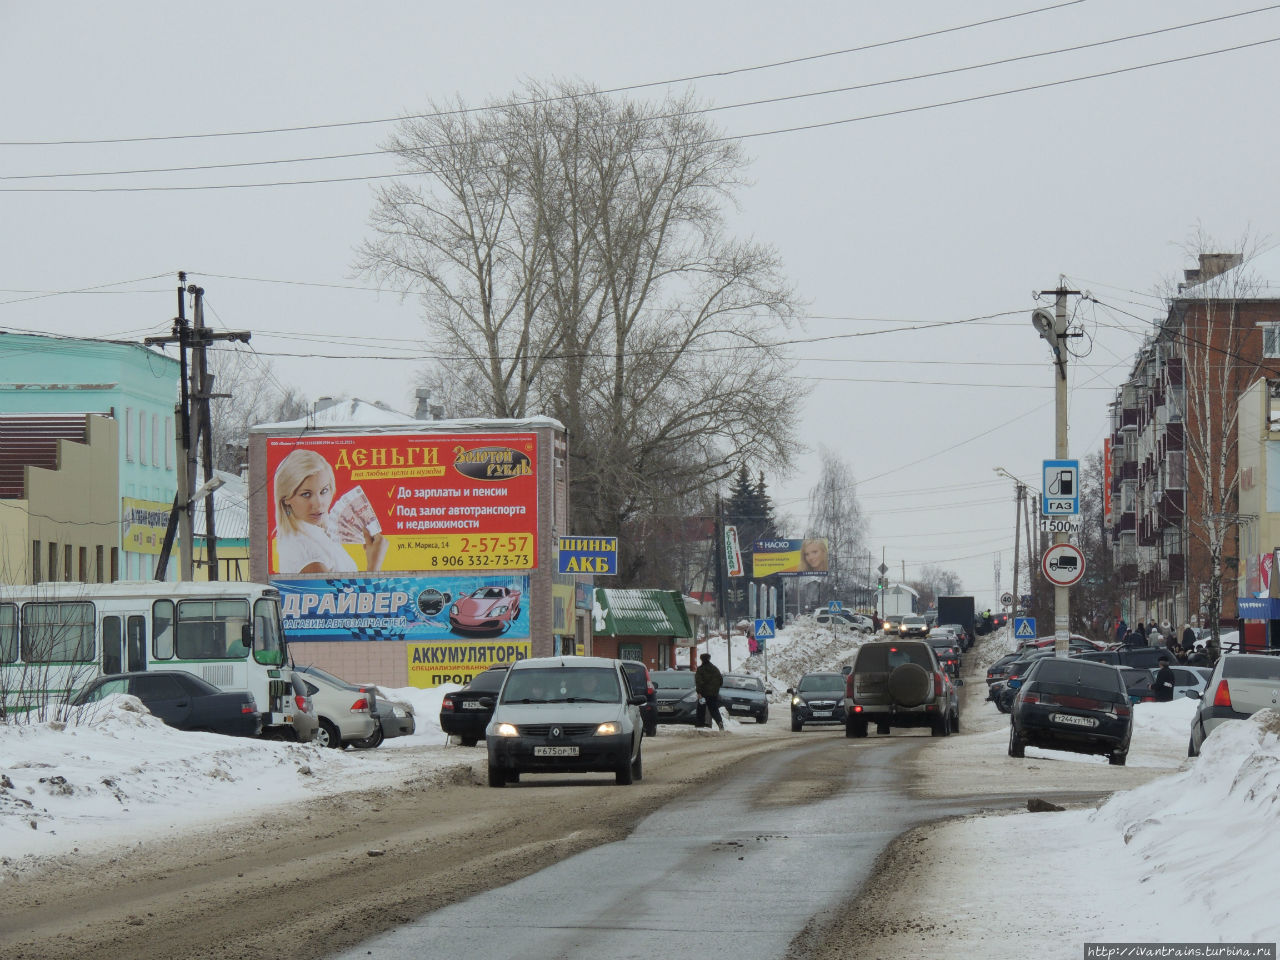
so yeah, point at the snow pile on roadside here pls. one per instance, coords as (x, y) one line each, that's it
(990, 647)
(804, 647)
(1205, 837)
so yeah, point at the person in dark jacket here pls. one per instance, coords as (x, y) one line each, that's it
(706, 681)
(1163, 684)
(1122, 630)
(1188, 637)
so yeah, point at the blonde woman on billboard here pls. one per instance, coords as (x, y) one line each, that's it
(305, 543)
(813, 556)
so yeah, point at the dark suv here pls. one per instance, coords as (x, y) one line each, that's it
(899, 683)
(638, 680)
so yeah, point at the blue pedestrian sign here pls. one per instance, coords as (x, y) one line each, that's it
(1024, 628)
(765, 629)
(834, 605)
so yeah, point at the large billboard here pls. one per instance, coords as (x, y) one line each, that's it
(792, 558)
(406, 608)
(402, 502)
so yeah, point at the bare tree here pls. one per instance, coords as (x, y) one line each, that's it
(572, 257)
(835, 513)
(935, 582)
(256, 396)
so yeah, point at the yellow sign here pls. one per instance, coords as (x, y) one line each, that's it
(144, 523)
(431, 664)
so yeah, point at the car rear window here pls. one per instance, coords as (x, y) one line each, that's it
(743, 683)
(489, 681)
(883, 657)
(1071, 675)
(1252, 668)
(673, 680)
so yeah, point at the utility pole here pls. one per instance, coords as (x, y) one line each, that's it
(1018, 491)
(1053, 328)
(195, 385)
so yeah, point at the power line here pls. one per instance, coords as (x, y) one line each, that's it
(777, 131)
(556, 99)
(766, 101)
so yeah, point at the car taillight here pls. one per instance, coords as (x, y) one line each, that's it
(1222, 696)
(857, 708)
(937, 684)
(361, 705)
(1123, 710)
(303, 703)
(248, 708)
(446, 704)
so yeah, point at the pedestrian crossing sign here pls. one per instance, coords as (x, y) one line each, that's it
(1024, 628)
(764, 629)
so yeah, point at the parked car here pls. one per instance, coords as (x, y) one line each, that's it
(1145, 657)
(302, 713)
(1002, 691)
(1187, 679)
(1075, 641)
(182, 700)
(465, 713)
(486, 610)
(899, 683)
(998, 669)
(347, 712)
(637, 675)
(1137, 682)
(744, 696)
(676, 699)
(1241, 684)
(395, 718)
(817, 698)
(965, 637)
(913, 627)
(1072, 704)
(565, 715)
(843, 620)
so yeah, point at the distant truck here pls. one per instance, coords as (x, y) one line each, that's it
(898, 601)
(959, 610)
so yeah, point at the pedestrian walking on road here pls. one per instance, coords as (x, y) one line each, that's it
(1163, 684)
(706, 681)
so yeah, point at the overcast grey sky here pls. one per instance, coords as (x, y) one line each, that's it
(938, 214)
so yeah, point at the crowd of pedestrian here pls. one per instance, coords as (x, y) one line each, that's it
(1184, 648)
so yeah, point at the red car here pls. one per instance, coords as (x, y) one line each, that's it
(486, 610)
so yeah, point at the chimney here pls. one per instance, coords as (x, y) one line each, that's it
(324, 403)
(424, 410)
(1211, 265)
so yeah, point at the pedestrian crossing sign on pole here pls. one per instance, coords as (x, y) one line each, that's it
(1024, 628)
(765, 629)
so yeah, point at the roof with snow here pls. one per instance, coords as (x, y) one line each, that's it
(640, 613)
(361, 413)
(1257, 278)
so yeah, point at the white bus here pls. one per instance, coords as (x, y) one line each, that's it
(56, 637)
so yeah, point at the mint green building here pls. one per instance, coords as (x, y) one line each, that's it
(137, 386)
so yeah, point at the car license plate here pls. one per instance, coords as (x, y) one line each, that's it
(555, 751)
(666, 708)
(1073, 720)
(822, 713)
(471, 705)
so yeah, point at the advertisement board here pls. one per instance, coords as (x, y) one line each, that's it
(794, 558)
(414, 502)
(431, 664)
(406, 608)
(144, 523)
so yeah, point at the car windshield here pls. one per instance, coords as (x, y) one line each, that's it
(821, 681)
(488, 682)
(673, 680)
(743, 683)
(562, 685)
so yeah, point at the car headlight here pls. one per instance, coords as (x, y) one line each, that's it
(453, 611)
(797, 702)
(607, 729)
(506, 730)
(499, 610)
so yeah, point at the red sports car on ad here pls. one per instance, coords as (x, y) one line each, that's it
(486, 610)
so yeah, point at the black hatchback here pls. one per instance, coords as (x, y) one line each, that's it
(1075, 705)
(465, 713)
(182, 700)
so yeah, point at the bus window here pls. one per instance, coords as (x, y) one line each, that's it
(162, 629)
(268, 638)
(211, 629)
(137, 646)
(112, 650)
(57, 632)
(8, 633)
